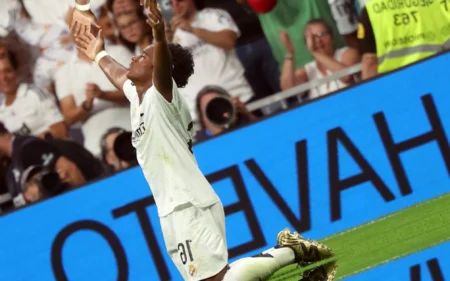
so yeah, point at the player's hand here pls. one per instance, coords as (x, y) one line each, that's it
(93, 90)
(155, 19)
(287, 42)
(90, 45)
(80, 19)
(180, 23)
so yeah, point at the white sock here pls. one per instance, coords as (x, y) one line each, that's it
(261, 267)
(284, 256)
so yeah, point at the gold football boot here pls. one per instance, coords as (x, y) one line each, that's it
(308, 251)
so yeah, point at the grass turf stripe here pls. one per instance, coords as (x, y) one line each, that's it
(399, 234)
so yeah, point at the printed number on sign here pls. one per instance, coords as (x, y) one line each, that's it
(182, 250)
(405, 18)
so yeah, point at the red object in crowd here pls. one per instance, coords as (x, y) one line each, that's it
(262, 6)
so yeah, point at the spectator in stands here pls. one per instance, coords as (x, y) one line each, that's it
(346, 18)
(40, 168)
(88, 98)
(26, 109)
(10, 13)
(211, 35)
(135, 33)
(261, 69)
(117, 151)
(391, 41)
(292, 16)
(218, 112)
(319, 40)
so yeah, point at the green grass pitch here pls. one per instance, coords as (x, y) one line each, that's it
(397, 235)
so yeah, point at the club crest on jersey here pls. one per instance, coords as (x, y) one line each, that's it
(192, 270)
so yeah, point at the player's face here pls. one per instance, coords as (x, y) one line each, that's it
(131, 27)
(8, 78)
(323, 40)
(141, 67)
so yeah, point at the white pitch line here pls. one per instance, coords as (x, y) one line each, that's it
(383, 218)
(394, 258)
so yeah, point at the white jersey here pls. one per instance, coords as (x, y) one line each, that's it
(33, 111)
(162, 136)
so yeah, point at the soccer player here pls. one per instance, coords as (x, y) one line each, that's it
(191, 214)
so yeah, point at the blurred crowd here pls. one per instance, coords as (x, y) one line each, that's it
(64, 124)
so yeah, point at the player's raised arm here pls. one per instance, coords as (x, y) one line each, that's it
(94, 48)
(82, 16)
(162, 59)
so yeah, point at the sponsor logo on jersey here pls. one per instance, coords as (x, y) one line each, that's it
(139, 132)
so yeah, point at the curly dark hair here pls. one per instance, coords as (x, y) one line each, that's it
(183, 64)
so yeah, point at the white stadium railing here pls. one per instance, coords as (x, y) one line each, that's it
(300, 89)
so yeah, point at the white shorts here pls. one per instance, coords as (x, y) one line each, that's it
(195, 240)
(344, 14)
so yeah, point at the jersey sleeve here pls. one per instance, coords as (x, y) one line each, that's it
(159, 103)
(129, 90)
(219, 20)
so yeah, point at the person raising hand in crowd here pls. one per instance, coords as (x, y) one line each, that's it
(327, 60)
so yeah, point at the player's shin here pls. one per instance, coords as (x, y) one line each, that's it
(260, 267)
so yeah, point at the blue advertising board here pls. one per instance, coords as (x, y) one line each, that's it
(322, 168)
